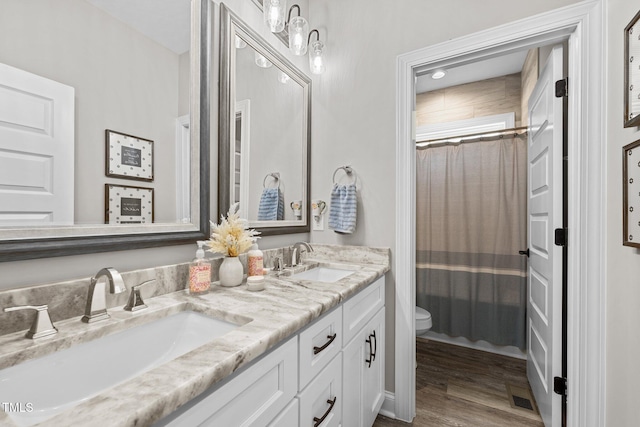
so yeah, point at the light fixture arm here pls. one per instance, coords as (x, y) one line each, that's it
(317, 36)
(289, 15)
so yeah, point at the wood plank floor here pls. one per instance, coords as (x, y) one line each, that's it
(461, 387)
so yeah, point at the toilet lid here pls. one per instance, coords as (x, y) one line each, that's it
(422, 314)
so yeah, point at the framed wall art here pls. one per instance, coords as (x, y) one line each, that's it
(632, 73)
(128, 156)
(128, 205)
(631, 194)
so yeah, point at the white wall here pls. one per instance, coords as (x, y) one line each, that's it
(354, 101)
(623, 263)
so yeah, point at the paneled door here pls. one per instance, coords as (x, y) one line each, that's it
(36, 150)
(544, 306)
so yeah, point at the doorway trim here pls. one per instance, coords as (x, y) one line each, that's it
(582, 24)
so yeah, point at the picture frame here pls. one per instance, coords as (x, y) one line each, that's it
(126, 204)
(631, 194)
(632, 73)
(128, 156)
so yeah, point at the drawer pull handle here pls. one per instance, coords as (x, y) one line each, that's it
(319, 421)
(317, 350)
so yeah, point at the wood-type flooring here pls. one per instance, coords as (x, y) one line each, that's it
(462, 387)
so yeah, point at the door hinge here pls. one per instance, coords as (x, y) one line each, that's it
(560, 386)
(562, 88)
(560, 237)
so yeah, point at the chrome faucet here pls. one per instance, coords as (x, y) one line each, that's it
(41, 326)
(296, 253)
(96, 309)
(135, 302)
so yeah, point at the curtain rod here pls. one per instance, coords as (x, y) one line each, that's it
(472, 137)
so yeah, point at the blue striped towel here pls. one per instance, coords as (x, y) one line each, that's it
(343, 208)
(271, 207)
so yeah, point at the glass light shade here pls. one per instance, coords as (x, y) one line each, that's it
(316, 59)
(240, 44)
(298, 34)
(261, 61)
(274, 14)
(283, 77)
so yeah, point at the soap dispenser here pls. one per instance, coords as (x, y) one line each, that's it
(255, 261)
(199, 272)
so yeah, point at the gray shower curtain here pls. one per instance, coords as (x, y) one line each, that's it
(471, 223)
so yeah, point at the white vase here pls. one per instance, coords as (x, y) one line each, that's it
(231, 271)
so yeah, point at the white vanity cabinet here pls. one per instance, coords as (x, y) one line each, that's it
(254, 398)
(329, 375)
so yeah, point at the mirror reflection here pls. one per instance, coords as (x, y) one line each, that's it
(269, 131)
(73, 71)
(264, 132)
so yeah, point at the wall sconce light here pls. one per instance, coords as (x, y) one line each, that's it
(298, 29)
(274, 14)
(283, 77)
(316, 51)
(240, 44)
(261, 61)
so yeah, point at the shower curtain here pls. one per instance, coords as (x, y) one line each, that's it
(470, 223)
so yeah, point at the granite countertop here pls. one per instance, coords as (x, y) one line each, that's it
(267, 317)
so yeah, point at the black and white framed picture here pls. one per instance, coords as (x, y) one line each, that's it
(128, 156)
(128, 205)
(632, 73)
(631, 194)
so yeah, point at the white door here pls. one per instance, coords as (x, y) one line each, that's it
(544, 309)
(36, 149)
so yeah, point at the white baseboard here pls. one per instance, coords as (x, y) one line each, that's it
(388, 408)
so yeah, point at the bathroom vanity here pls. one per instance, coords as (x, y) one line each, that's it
(301, 352)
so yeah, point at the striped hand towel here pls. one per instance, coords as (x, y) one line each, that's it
(271, 207)
(343, 208)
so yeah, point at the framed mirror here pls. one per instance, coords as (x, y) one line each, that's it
(120, 89)
(264, 132)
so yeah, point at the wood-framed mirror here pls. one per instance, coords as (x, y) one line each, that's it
(138, 67)
(264, 132)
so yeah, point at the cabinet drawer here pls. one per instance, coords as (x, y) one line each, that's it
(253, 398)
(322, 399)
(288, 417)
(358, 310)
(319, 344)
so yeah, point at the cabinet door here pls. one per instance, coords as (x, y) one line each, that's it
(321, 401)
(374, 375)
(288, 417)
(363, 374)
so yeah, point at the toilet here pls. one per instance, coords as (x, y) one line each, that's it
(423, 321)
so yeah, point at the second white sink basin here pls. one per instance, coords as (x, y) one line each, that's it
(322, 274)
(58, 381)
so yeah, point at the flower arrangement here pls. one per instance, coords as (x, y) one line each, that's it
(232, 236)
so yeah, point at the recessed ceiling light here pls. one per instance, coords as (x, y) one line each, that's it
(438, 74)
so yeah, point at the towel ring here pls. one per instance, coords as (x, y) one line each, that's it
(274, 175)
(349, 171)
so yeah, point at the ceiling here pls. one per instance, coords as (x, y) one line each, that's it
(481, 70)
(164, 21)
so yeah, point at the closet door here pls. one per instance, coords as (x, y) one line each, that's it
(544, 302)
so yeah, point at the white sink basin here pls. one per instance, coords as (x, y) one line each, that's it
(322, 274)
(56, 382)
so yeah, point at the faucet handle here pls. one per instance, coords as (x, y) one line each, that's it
(41, 326)
(135, 302)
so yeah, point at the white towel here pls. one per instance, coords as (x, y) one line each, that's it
(271, 207)
(343, 208)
